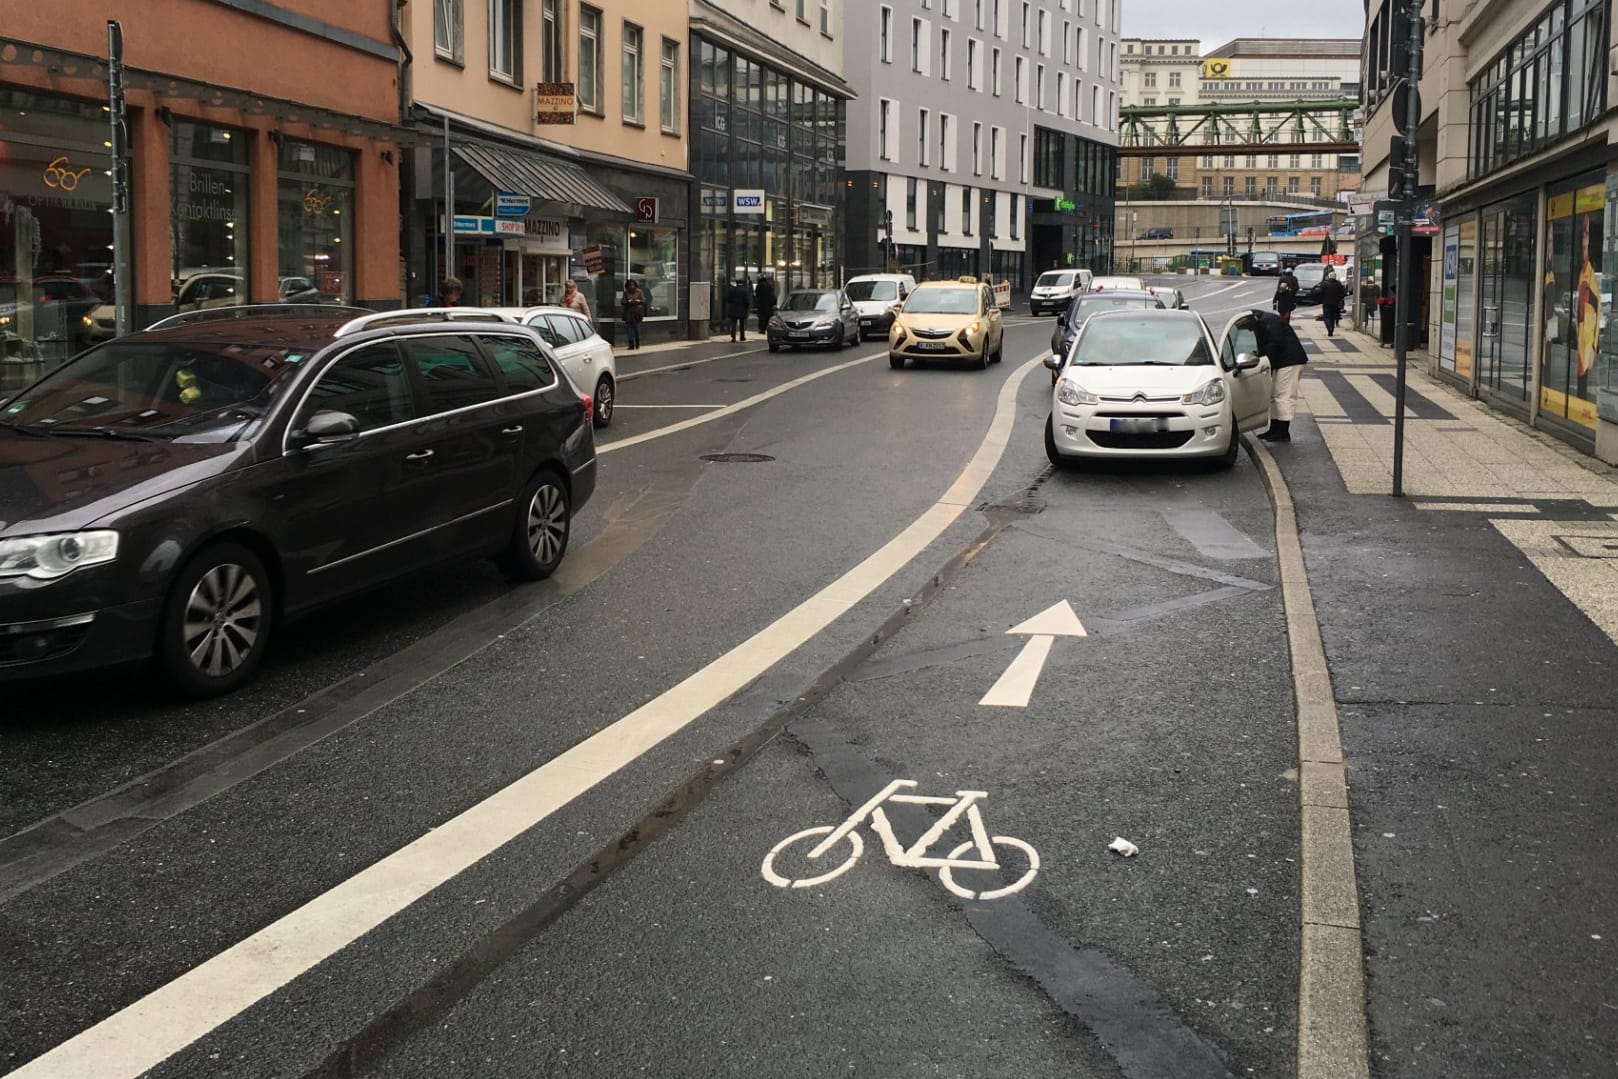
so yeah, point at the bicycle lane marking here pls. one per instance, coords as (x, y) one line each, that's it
(152, 1029)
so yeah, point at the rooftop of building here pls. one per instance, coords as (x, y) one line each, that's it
(1290, 47)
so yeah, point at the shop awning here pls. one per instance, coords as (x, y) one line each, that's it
(541, 178)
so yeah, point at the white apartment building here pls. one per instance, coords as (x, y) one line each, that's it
(986, 129)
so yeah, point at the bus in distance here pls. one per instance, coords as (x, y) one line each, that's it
(1314, 223)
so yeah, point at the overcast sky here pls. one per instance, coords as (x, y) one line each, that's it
(1214, 22)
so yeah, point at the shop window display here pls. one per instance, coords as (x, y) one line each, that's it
(315, 201)
(55, 230)
(209, 184)
(1575, 302)
(649, 255)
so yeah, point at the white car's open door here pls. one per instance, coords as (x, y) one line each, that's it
(1247, 374)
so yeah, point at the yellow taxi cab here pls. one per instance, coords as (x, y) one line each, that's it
(948, 320)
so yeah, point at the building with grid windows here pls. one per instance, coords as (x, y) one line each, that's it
(984, 139)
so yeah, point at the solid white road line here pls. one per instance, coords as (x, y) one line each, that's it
(170, 1018)
(669, 406)
(748, 402)
(630, 375)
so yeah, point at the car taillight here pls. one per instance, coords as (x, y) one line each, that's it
(589, 405)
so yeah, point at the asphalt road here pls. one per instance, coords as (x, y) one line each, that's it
(799, 623)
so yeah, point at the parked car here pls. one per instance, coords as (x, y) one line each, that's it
(1107, 284)
(1054, 289)
(875, 298)
(1157, 384)
(183, 492)
(1264, 263)
(588, 358)
(1082, 307)
(1309, 275)
(814, 317)
(948, 320)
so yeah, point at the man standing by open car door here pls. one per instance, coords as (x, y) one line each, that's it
(1279, 341)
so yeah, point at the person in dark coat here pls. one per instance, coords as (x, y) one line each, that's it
(1279, 341)
(1286, 295)
(633, 310)
(764, 301)
(738, 298)
(1332, 295)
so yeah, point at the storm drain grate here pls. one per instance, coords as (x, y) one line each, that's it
(737, 458)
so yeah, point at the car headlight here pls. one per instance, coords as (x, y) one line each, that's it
(825, 323)
(777, 322)
(1071, 393)
(973, 328)
(1209, 393)
(86, 321)
(897, 330)
(46, 558)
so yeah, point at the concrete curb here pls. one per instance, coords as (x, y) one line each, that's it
(1332, 1039)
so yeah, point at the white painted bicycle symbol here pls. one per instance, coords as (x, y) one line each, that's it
(916, 856)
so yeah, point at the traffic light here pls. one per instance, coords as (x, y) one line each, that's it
(1398, 188)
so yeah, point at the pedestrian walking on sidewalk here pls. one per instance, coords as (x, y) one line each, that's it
(764, 302)
(634, 309)
(574, 300)
(1332, 295)
(1286, 295)
(737, 300)
(1279, 341)
(449, 292)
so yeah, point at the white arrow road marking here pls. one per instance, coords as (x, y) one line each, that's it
(1016, 686)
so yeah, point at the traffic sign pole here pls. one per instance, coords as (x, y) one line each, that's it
(1405, 276)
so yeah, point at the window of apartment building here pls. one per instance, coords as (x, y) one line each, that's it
(448, 22)
(1112, 109)
(1148, 101)
(1273, 161)
(949, 9)
(505, 41)
(1229, 186)
(1295, 161)
(1250, 186)
(801, 10)
(918, 44)
(924, 147)
(1314, 186)
(884, 129)
(911, 188)
(1271, 186)
(1039, 87)
(946, 142)
(825, 17)
(1207, 187)
(1174, 168)
(1025, 37)
(1292, 185)
(1067, 43)
(589, 88)
(1252, 161)
(977, 14)
(944, 64)
(1149, 79)
(1174, 101)
(977, 149)
(1095, 105)
(634, 85)
(941, 211)
(994, 70)
(974, 79)
(669, 87)
(884, 34)
(1079, 44)
(966, 211)
(997, 164)
(1174, 80)
(1022, 158)
(1314, 161)
(1047, 158)
(1044, 33)
(1148, 166)
(1021, 76)
(1061, 93)
(1016, 216)
(550, 42)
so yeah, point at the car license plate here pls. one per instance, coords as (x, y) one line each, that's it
(1145, 426)
(931, 346)
(867, 321)
(797, 333)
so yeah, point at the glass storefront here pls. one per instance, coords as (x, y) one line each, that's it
(757, 128)
(1459, 307)
(55, 229)
(315, 200)
(1607, 360)
(209, 184)
(646, 254)
(1573, 300)
(1505, 299)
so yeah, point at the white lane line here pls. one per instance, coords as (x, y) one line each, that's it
(668, 406)
(1217, 291)
(630, 375)
(168, 1019)
(747, 402)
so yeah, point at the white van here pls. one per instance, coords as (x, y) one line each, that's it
(874, 295)
(1055, 288)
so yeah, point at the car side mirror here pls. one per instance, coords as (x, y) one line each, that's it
(1061, 320)
(1246, 361)
(1054, 362)
(327, 426)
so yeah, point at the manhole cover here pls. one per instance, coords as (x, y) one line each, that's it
(737, 458)
(733, 380)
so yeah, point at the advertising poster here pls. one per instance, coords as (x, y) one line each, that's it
(1465, 308)
(1446, 337)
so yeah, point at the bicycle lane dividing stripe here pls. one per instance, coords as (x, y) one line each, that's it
(165, 1021)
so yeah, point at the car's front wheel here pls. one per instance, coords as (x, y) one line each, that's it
(216, 621)
(539, 534)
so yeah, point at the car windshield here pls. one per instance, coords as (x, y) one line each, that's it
(873, 290)
(1310, 273)
(1054, 280)
(1122, 339)
(810, 301)
(156, 389)
(942, 301)
(1086, 306)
